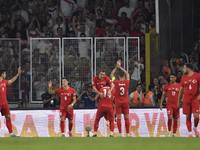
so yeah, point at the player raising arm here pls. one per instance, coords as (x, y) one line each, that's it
(68, 99)
(190, 85)
(4, 108)
(172, 90)
(121, 96)
(105, 107)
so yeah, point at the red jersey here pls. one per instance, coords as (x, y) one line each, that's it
(99, 32)
(66, 96)
(106, 101)
(99, 83)
(125, 25)
(121, 88)
(3, 99)
(172, 93)
(191, 87)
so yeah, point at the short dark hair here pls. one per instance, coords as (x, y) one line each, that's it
(121, 73)
(83, 34)
(64, 78)
(49, 15)
(2, 71)
(151, 86)
(173, 74)
(102, 70)
(59, 28)
(189, 65)
(123, 13)
(138, 84)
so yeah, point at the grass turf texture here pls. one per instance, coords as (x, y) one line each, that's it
(87, 143)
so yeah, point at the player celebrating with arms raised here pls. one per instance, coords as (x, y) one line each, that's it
(172, 90)
(68, 99)
(190, 85)
(121, 96)
(4, 108)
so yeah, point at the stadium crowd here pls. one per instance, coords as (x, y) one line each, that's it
(25, 19)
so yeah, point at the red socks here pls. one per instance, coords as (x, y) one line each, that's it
(188, 124)
(196, 122)
(112, 126)
(119, 125)
(9, 125)
(62, 126)
(169, 124)
(96, 123)
(127, 124)
(70, 126)
(175, 127)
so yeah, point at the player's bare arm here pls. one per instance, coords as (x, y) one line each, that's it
(112, 73)
(162, 99)
(50, 91)
(95, 89)
(111, 88)
(96, 97)
(15, 77)
(72, 104)
(180, 96)
(198, 98)
(129, 101)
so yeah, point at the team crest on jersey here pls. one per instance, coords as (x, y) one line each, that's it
(68, 94)
(194, 81)
(3, 84)
(177, 89)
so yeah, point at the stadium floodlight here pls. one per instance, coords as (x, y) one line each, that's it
(88, 128)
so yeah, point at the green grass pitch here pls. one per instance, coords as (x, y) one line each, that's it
(96, 143)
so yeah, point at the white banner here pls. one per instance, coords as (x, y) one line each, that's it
(46, 123)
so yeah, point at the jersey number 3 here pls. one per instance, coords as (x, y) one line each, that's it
(122, 91)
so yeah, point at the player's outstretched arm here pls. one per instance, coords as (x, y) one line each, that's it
(50, 91)
(15, 77)
(180, 96)
(162, 99)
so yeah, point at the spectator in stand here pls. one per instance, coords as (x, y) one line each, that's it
(24, 10)
(151, 15)
(167, 70)
(109, 19)
(76, 83)
(111, 6)
(49, 101)
(88, 97)
(59, 22)
(67, 6)
(84, 47)
(82, 28)
(91, 20)
(143, 23)
(49, 22)
(142, 46)
(136, 98)
(160, 95)
(141, 10)
(179, 76)
(25, 88)
(137, 31)
(52, 8)
(54, 69)
(151, 25)
(59, 31)
(44, 31)
(40, 86)
(125, 22)
(197, 46)
(119, 32)
(31, 32)
(20, 104)
(149, 99)
(18, 26)
(129, 10)
(45, 48)
(100, 32)
(100, 5)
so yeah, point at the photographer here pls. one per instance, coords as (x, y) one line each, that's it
(88, 97)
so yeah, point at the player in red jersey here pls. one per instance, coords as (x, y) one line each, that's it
(68, 99)
(121, 96)
(100, 81)
(4, 108)
(172, 90)
(190, 85)
(105, 107)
